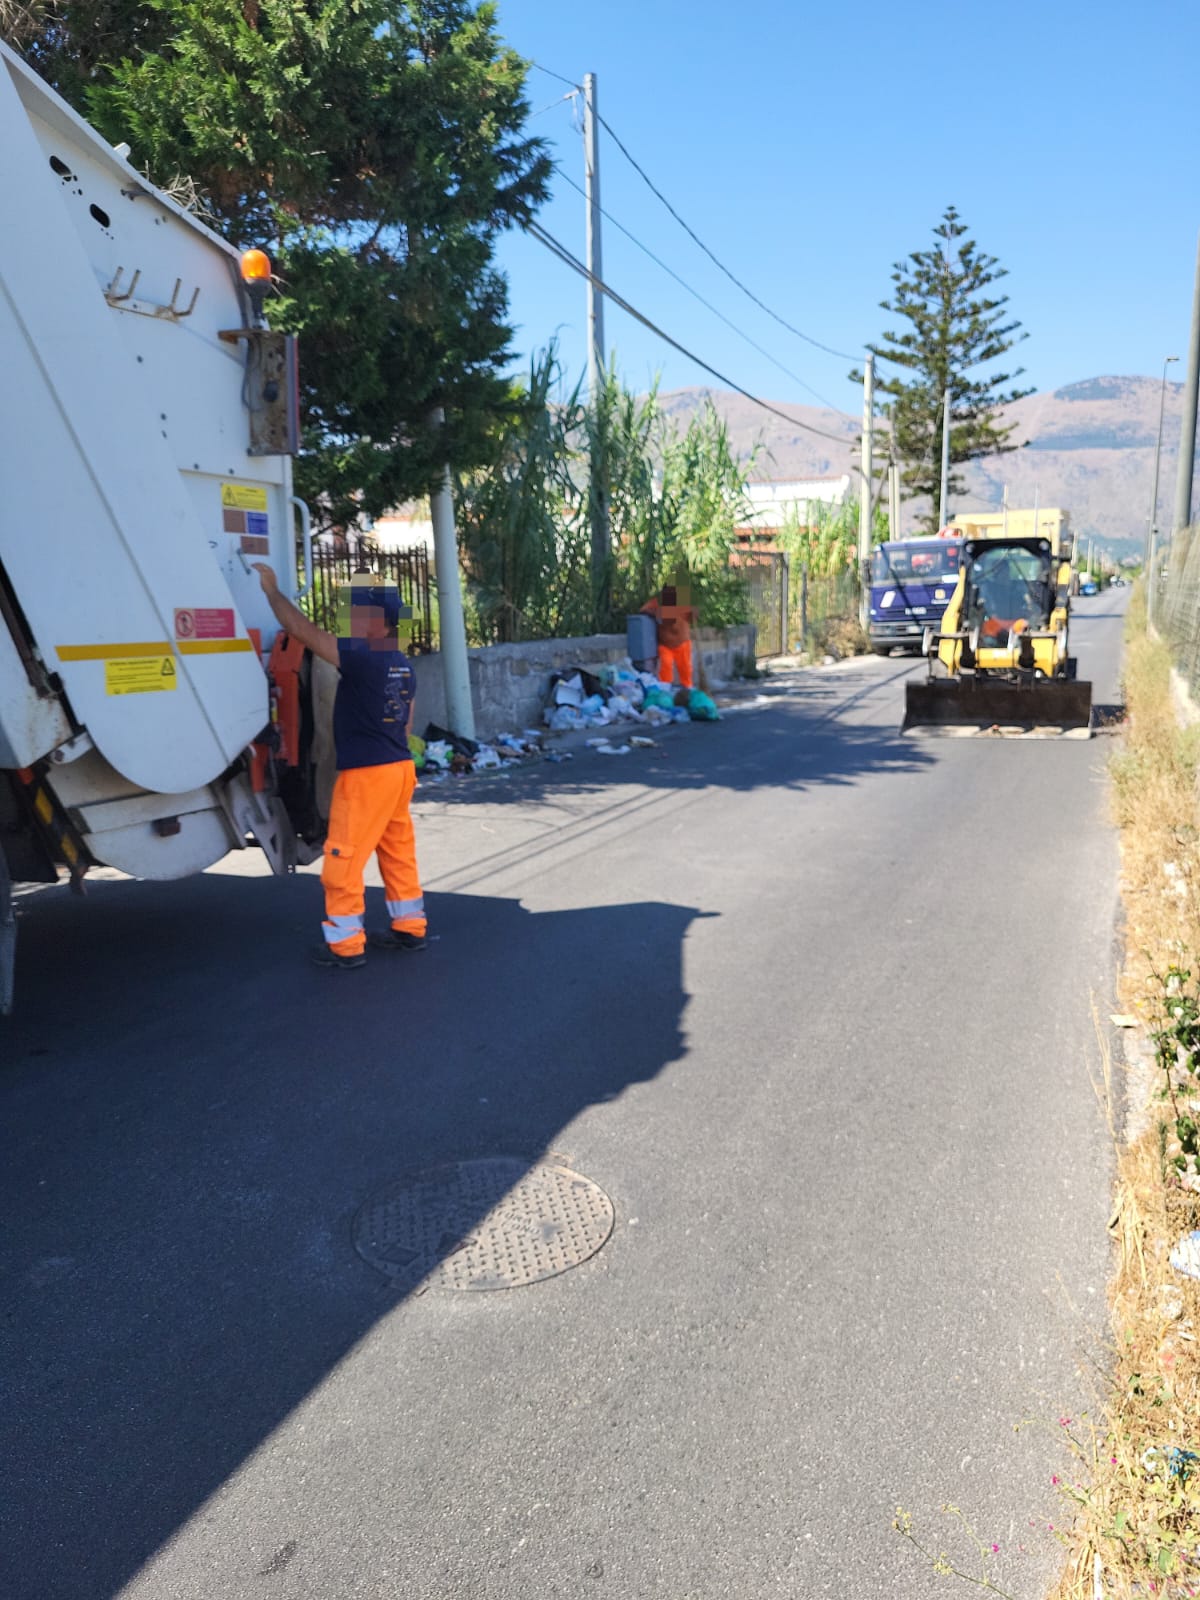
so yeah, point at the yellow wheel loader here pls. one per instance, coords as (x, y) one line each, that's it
(1000, 661)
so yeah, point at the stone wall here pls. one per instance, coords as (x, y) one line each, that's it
(509, 681)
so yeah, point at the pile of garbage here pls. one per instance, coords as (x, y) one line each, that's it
(577, 699)
(580, 699)
(441, 753)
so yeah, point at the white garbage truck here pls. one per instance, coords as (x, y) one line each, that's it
(153, 716)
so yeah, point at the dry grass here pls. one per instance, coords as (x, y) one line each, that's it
(835, 636)
(1142, 1523)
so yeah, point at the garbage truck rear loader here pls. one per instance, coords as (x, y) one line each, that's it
(152, 715)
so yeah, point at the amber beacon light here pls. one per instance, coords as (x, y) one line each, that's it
(256, 275)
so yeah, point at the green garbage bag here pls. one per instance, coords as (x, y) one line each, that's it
(701, 708)
(658, 696)
(416, 749)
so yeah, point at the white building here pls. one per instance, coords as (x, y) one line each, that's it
(405, 527)
(774, 502)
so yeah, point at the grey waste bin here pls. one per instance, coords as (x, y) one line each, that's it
(641, 640)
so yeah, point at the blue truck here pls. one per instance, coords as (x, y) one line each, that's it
(911, 583)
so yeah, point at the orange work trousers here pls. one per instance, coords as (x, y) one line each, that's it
(368, 816)
(669, 659)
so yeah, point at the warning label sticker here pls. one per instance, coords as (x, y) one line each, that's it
(243, 497)
(204, 622)
(143, 675)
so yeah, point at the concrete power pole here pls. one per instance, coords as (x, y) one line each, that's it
(452, 628)
(595, 304)
(944, 502)
(893, 501)
(867, 463)
(1187, 429)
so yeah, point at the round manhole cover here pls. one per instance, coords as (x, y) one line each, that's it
(493, 1224)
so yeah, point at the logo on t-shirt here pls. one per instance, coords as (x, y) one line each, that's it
(397, 693)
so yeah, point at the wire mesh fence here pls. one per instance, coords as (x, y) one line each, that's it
(825, 610)
(765, 574)
(1174, 602)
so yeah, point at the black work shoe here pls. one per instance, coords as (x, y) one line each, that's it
(394, 940)
(323, 956)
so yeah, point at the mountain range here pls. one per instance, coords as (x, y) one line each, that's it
(1088, 448)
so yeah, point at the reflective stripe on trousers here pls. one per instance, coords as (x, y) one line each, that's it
(369, 816)
(406, 908)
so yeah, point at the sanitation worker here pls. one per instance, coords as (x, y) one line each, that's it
(674, 635)
(369, 814)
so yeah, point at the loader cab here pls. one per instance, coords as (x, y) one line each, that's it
(911, 584)
(1008, 583)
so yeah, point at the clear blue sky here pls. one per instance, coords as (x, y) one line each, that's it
(812, 144)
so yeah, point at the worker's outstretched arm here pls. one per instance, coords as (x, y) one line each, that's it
(293, 620)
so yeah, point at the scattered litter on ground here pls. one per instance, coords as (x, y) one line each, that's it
(640, 742)
(1122, 1019)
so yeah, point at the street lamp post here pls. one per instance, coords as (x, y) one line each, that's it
(1152, 529)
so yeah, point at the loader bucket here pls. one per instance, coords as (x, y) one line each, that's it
(1046, 708)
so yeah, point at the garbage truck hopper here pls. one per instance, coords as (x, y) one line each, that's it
(153, 716)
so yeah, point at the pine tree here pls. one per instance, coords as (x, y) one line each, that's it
(955, 328)
(376, 149)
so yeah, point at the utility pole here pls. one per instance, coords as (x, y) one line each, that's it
(452, 628)
(601, 541)
(1187, 428)
(943, 503)
(893, 501)
(866, 467)
(866, 463)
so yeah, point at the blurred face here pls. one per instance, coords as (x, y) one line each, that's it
(368, 622)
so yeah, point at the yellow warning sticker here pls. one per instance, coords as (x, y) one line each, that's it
(144, 675)
(243, 497)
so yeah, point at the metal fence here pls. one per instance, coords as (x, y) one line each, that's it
(1174, 602)
(766, 577)
(335, 566)
(823, 606)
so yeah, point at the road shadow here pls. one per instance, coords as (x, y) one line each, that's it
(788, 742)
(194, 1117)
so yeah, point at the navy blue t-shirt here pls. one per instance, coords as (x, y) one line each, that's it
(374, 698)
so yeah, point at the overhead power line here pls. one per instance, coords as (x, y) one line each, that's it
(694, 236)
(564, 255)
(696, 295)
(570, 82)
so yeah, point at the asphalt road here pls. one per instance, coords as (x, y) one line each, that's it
(811, 1002)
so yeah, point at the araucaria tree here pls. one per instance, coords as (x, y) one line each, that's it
(955, 329)
(376, 148)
